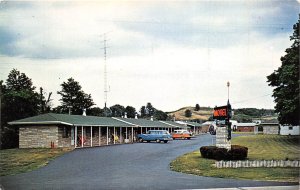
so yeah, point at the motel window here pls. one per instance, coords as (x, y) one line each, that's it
(65, 132)
(291, 128)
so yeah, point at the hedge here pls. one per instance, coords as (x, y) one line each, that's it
(236, 153)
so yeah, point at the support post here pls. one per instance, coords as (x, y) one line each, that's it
(126, 133)
(91, 136)
(132, 133)
(99, 136)
(114, 135)
(106, 135)
(75, 136)
(81, 136)
(121, 137)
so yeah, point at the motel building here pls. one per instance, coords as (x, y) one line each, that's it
(193, 127)
(77, 131)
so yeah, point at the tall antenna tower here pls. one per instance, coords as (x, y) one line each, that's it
(105, 72)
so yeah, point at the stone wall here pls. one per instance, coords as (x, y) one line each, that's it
(38, 136)
(257, 164)
(64, 141)
(221, 138)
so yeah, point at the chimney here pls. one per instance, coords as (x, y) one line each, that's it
(84, 112)
(151, 118)
(125, 115)
(174, 118)
(136, 117)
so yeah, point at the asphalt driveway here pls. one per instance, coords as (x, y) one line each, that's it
(130, 166)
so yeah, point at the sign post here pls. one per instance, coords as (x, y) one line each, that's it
(223, 131)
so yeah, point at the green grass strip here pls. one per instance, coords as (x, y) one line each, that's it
(261, 147)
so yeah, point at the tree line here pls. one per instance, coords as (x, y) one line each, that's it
(20, 99)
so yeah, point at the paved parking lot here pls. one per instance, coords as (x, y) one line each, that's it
(131, 166)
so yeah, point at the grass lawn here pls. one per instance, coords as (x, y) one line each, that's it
(261, 147)
(14, 161)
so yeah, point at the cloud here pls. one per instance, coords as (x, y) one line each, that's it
(172, 55)
(59, 30)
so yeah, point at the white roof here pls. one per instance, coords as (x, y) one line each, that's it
(245, 124)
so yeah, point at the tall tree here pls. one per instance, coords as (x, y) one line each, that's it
(130, 111)
(74, 97)
(95, 111)
(143, 111)
(160, 115)
(150, 110)
(117, 110)
(197, 107)
(286, 82)
(188, 113)
(18, 100)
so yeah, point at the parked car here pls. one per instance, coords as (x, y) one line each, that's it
(181, 134)
(155, 135)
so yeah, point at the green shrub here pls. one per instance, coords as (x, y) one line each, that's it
(208, 151)
(236, 153)
(221, 154)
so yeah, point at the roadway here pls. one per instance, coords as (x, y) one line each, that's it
(129, 166)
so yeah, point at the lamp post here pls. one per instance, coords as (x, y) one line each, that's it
(228, 84)
(228, 115)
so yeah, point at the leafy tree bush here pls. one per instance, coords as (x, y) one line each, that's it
(286, 82)
(130, 111)
(188, 113)
(73, 96)
(18, 101)
(117, 110)
(160, 115)
(236, 153)
(197, 107)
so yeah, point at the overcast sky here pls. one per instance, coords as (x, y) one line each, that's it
(172, 54)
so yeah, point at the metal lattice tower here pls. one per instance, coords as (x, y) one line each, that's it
(105, 73)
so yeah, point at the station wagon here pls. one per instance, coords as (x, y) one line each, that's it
(155, 135)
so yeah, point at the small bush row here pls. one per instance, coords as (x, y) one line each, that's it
(236, 153)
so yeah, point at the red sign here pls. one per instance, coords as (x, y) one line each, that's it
(220, 112)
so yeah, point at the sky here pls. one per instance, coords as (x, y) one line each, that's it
(170, 53)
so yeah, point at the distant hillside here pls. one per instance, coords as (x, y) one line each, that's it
(203, 114)
(241, 115)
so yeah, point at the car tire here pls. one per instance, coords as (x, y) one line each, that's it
(148, 141)
(157, 140)
(189, 138)
(165, 141)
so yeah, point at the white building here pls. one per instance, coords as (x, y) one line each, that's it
(289, 130)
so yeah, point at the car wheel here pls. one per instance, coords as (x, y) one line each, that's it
(140, 140)
(165, 141)
(157, 140)
(189, 138)
(148, 141)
